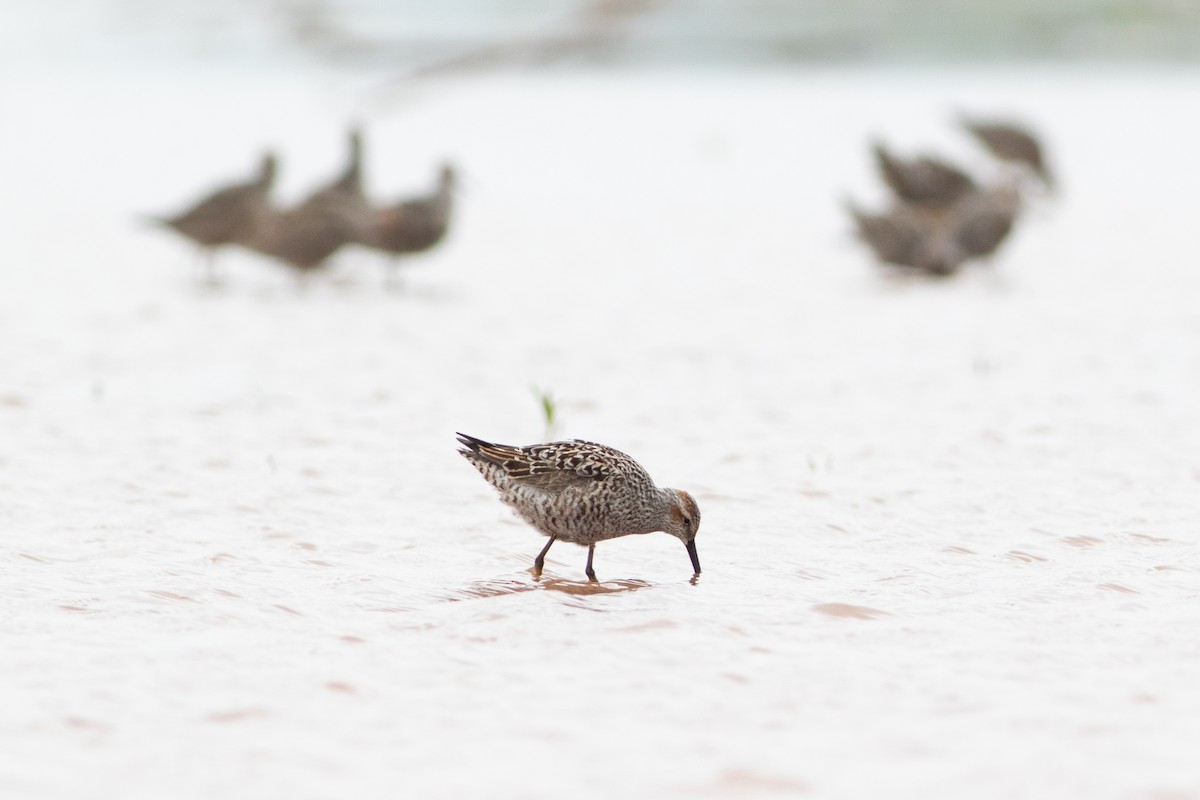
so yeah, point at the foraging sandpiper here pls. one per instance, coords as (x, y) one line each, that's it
(583, 493)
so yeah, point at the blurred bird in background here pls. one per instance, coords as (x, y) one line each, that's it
(305, 236)
(413, 225)
(230, 215)
(940, 217)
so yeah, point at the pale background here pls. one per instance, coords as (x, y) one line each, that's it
(950, 528)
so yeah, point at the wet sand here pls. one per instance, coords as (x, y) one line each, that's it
(948, 527)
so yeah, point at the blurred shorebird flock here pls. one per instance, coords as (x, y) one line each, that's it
(303, 237)
(940, 216)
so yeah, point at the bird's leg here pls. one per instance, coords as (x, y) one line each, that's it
(541, 557)
(393, 274)
(591, 573)
(210, 266)
(303, 280)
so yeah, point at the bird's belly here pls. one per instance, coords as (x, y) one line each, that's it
(578, 521)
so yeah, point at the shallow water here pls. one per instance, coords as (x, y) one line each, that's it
(948, 527)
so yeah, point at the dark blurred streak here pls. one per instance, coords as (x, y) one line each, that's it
(415, 40)
(597, 27)
(315, 28)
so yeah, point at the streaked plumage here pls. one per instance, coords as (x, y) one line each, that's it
(583, 492)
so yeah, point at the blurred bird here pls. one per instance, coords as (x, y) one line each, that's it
(924, 180)
(1010, 142)
(413, 225)
(910, 237)
(350, 182)
(938, 241)
(232, 215)
(984, 218)
(892, 235)
(306, 235)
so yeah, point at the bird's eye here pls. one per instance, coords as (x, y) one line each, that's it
(687, 522)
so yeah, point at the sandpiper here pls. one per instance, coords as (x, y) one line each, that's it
(584, 493)
(307, 234)
(1008, 141)
(923, 180)
(231, 215)
(984, 218)
(911, 237)
(413, 225)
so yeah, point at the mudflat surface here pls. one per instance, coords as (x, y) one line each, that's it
(949, 527)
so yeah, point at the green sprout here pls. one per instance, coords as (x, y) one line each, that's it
(549, 410)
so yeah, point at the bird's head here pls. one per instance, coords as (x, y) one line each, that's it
(684, 521)
(448, 177)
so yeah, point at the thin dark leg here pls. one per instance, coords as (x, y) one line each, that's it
(591, 573)
(541, 557)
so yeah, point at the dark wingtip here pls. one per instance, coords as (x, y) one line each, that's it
(469, 442)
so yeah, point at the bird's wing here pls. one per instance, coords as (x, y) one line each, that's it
(552, 466)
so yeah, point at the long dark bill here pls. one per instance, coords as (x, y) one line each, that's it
(691, 548)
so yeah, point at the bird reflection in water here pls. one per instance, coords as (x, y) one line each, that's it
(501, 588)
(591, 587)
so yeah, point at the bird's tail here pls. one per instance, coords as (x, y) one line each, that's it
(512, 458)
(470, 443)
